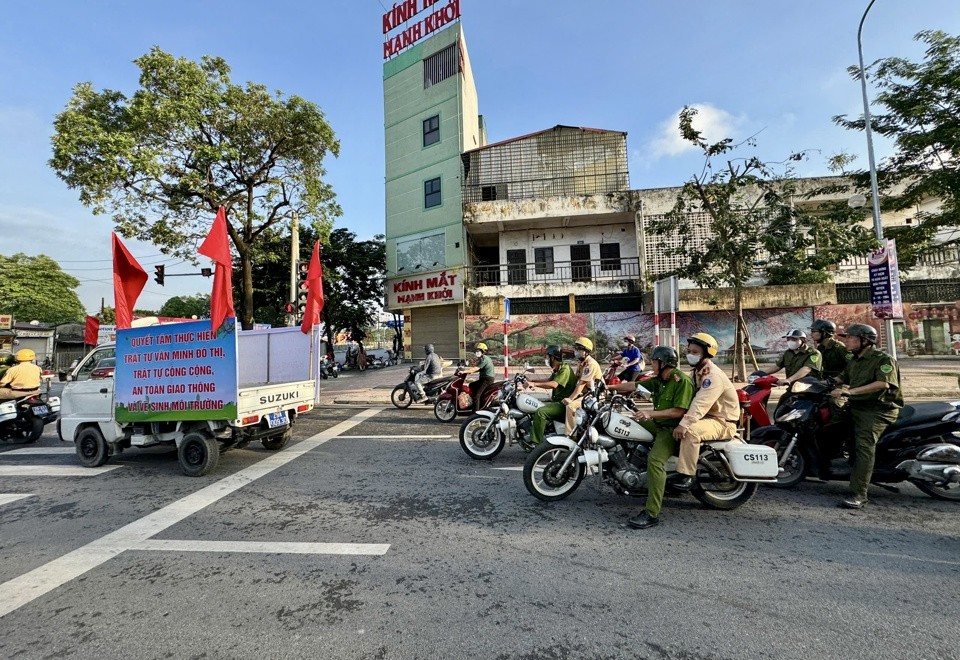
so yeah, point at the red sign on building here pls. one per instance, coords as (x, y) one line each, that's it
(402, 30)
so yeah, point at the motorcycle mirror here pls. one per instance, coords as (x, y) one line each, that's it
(644, 392)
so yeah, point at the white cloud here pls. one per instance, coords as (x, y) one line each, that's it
(712, 122)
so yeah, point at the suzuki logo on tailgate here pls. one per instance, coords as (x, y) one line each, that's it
(277, 398)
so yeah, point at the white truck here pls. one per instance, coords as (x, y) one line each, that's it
(183, 384)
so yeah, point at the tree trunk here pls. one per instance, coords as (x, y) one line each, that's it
(328, 327)
(246, 307)
(740, 338)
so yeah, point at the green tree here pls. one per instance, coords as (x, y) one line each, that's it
(187, 306)
(188, 141)
(736, 220)
(108, 315)
(919, 109)
(34, 288)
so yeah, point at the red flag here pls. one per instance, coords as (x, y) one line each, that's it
(311, 315)
(91, 331)
(128, 281)
(217, 246)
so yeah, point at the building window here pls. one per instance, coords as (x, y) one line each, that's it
(431, 193)
(609, 256)
(424, 253)
(516, 266)
(543, 260)
(440, 66)
(431, 130)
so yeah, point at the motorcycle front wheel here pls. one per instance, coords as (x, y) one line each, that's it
(949, 492)
(717, 489)
(542, 477)
(478, 441)
(445, 410)
(401, 397)
(794, 468)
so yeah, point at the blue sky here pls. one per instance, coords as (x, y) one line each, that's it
(768, 67)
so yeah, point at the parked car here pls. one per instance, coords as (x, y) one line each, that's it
(104, 368)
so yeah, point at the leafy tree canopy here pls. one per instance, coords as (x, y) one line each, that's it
(108, 315)
(187, 306)
(188, 141)
(919, 109)
(35, 289)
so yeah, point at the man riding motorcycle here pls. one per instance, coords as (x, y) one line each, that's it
(432, 368)
(486, 369)
(562, 381)
(714, 412)
(872, 384)
(672, 392)
(22, 379)
(631, 360)
(588, 373)
(799, 360)
(835, 354)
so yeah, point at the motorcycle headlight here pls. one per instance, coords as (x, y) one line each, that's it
(800, 387)
(580, 417)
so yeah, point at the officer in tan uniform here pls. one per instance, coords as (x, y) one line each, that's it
(21, 380)
(588, 373)
(714, 412)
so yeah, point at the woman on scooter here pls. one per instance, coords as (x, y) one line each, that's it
(485, 368)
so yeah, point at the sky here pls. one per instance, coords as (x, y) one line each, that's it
(774, 69)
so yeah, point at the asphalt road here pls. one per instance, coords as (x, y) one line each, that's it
(434, 555)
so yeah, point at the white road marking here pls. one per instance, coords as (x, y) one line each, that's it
(265, 547)
(7, 498)
(52, 470)
(517, 468)
(396, 437)
(21, 590)
(896, 556)
(39, 451)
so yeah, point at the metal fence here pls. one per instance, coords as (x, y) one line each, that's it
(555, 272)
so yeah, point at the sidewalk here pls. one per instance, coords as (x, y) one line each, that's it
(929, 378)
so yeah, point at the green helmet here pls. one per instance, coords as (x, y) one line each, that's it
(667, 355)
(555, 352)
(824, 327)
(862, 330)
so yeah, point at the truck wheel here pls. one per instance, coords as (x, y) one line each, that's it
(198, 454)
(277, 442)
(92, 449)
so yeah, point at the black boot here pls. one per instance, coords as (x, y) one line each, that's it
(681, 482)
(643, 521)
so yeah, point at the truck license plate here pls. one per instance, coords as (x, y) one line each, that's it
(41, 410)
(277, 419)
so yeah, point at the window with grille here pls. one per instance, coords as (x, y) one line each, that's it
(516, 266)
(440, 66)
(431, 130)
(431, 193)
(609, 256)
(543, 260)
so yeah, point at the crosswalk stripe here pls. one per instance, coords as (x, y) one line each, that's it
(39, 451)
(52, 470)
(7, 498)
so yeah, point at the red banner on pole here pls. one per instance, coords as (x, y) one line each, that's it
(217, 246)
(128, 281)
(311, 315)
(91, 331)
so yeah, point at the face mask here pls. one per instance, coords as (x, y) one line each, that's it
(578, 354)
(478, 354)
(694, 359)
(793, 345)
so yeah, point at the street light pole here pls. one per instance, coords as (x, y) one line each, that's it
(874, 188)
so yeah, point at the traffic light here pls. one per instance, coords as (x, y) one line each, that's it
(159, 278)
(302, 290)
(206, 272)
(290, 308)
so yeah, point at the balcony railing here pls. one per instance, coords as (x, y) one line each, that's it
(555, 272)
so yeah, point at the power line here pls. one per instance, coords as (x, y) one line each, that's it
(94, 261)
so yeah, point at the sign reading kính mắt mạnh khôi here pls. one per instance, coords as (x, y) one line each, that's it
(180, 371)
(401, 33)
(428, 289)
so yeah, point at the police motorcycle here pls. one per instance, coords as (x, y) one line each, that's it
(486, 433)
(22, 420)
(608, 443)
(922, 446)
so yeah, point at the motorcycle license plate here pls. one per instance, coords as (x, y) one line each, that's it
(277, 419)
(40, 410)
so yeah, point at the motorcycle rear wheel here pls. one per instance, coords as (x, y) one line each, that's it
(401, 397)
(794, 468)
(726, 494)
(541, 473)
(950, 493)
(445, 410)
(477, 444)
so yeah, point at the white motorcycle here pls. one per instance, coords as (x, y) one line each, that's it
(485, 434)
(615, 447)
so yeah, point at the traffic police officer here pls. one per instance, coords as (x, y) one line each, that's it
(23, 379)
(872, 384)
(588, 373)
(714, 412)
(835, 355)
(672, 392)
(799, 360)
(562, 381)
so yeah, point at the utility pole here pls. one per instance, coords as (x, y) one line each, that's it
(294, 259)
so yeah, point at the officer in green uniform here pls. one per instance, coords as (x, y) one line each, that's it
(835, 355)
(872, 384)
(672, 393)
(562, 381)
(799, 360)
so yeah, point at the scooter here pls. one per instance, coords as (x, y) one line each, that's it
(922, 446)
(328, 368)
(22, 420)
(753, 401)
(456, 399)
(406, 393)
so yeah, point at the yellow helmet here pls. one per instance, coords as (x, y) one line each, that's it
(707, 341)
(26, 355)
(482, 347)
(584, 343)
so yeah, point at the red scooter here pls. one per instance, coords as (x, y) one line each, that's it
(451, 403)
(753, 400)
